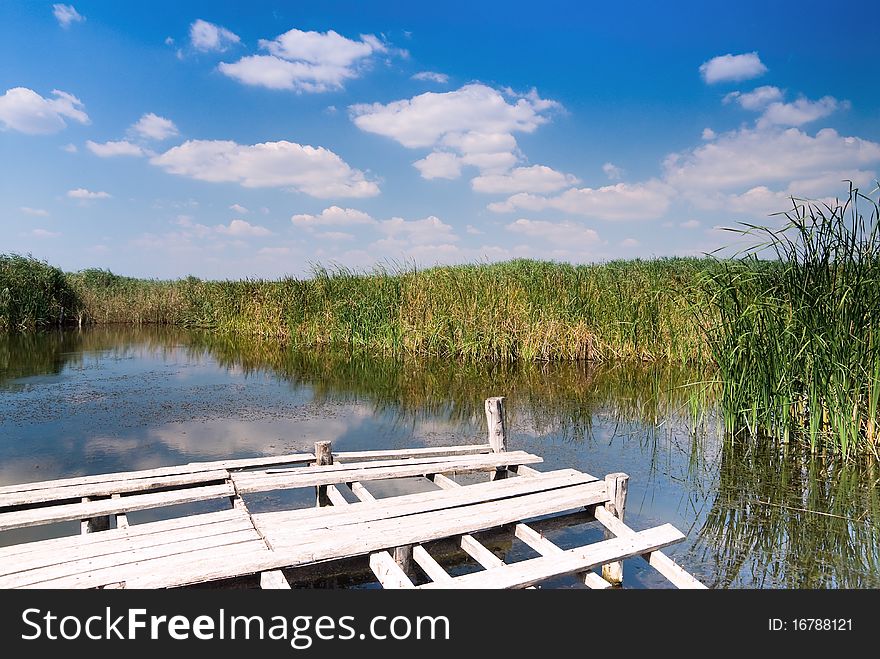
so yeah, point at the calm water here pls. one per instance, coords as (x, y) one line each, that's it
(112, 399)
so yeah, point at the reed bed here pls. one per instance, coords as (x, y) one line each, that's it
(34, 295)
(796, 338)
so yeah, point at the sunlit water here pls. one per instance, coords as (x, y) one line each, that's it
(114, 399)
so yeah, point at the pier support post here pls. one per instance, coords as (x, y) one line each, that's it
(94, 524)
(403, 556)
(323, 456)
(497, 430)
(616, 485)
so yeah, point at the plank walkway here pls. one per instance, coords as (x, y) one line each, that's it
(397, 535)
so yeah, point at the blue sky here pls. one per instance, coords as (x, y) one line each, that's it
(228, 139)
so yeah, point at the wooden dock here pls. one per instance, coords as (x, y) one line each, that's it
(398, 535)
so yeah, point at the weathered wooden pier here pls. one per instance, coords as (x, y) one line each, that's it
(398, 534)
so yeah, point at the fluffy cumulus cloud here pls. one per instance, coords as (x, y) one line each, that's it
(40, 212)
(314, 171)
(85, 194)
(306, 61)
(153, 127)
(111, 149)
(612, 171)
(799, 112)
(757, 99)
(25, 111)
(622, 201)
(562, 234)
(66, 15)
(428, 231)
(743, 159)
(207, 37)
(473, 125)
(732, 68)
(333, 216)
(537, 179)
(242, 229)
(431, 76)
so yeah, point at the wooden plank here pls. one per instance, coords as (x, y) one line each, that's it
(535, 570)
(444, 482)
(431, 567)
(616, 485)
(422, 502)
(246, 482)
(13, 554)
(93, 524)
(335, 496)
(479, 553)
(108, 488)
(119, 562)
(72, 511)
(40, 557)
(678, 576)
(192, 467)
(388, 572)
(292, 548)
(121, 518)
(361, 492)
(546, 548)
(274, 580)
(443, 451)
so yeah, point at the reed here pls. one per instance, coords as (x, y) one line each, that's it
(796, 337)
(34, 295)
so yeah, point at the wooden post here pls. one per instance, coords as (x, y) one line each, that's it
(403, 556)
(497, 430)
(94, 524)
(323, 456)
(616, 485)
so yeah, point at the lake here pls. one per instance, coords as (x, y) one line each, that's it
(756, 516)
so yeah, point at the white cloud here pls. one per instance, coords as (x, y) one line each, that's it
(476, 121)
(564, 234)
(69, 148)
(39, 212)
(238, 208)
(622, 201)
(242, 229)
(537, 178)
(44, 233)
(333, 216)
(111, 149)
(314, 171)
(66, 15)
(689, 224)
(24, 110)
(431, 76)
(629, 242)
(732, 68)
(708, 134)
(208, 37)
(799, 112)
(334, 235)
(424, 120)
(756, 99)
(439, 164)
(82, 193)
(612, 171)
(430, 230)
(274, 251)
(746, 158)
(472, 230)
(152, 126)
(306, 61)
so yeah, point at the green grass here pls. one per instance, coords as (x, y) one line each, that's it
(34, 295)
(505, 312)
(796, 339)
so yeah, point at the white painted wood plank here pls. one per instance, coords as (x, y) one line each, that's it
(431, 567)
(444, 482)
(72, 511)
(389, 573)
(677, 575)
(479, 553)
(335, 496)
(121, 560)
(192, 467)
(443, 451)
(274, 580)
(535, 570)
(421, 502)
(546, 548)
(110, 487)
(361, 492)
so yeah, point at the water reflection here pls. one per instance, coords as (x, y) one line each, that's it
(118, 398)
